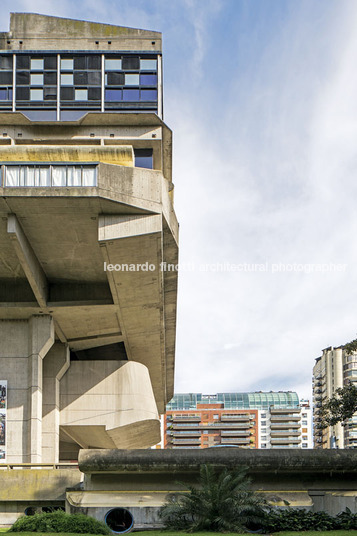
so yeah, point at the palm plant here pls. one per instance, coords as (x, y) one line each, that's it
(223, 502)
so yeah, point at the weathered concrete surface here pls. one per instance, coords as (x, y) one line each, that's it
(108, 403)
(38, 32)
(260, 461)
(141, 480)
(23, 487)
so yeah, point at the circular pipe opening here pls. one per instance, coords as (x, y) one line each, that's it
(119, 520)
(31, 510)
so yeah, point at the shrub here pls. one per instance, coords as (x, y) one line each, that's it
(59, 521)
(222, 502)
(303, 520)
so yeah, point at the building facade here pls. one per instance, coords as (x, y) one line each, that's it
(333, 370)
(87, 314)
(246, 420)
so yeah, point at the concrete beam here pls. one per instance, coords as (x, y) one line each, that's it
(94, 341)
(28, 260)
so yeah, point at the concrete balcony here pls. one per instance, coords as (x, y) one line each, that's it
(238, 418)
(188, 441)
(186, 418)
(285, 411)
(284, 425)
(280, 433)
(285, 441)
(183, 433)
(287, 417)
(233, 433)
(234, 441)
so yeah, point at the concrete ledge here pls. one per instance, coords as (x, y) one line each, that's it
(258, 461)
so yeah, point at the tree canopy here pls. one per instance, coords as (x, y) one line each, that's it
(340, 407)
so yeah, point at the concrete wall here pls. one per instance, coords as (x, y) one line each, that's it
(23, 487)
(141, 480)
(24, 344)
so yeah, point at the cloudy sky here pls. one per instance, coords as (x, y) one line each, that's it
(261, 96)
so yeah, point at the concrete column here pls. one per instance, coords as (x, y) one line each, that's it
(55, 364)
(24, 343)
(41, 338)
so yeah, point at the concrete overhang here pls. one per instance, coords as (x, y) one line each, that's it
(57, 266)
(95, 119)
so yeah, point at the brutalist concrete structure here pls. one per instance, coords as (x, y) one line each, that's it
(138, 482)
(87, 226)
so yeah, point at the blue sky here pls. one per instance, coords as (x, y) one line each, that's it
(261, 96)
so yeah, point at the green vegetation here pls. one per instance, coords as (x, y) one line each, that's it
(172, 533)
(301, 520)
(60, 522)
(340, 407)
(222, 502)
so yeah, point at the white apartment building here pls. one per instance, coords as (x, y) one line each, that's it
(334, 369)
(285, 427)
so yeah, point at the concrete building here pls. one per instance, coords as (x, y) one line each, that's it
(246, 420)
(87, 314)
(334, 369)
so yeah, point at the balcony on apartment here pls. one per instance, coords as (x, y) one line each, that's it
(285, 441)
(284, 425)
(236, 417)
(186, 418)
(285, 433)
(285, 417)
(236, 433)
(185, 433)
(235, 441)
(187, 441)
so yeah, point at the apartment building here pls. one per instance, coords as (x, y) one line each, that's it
(245, 420)
(333, 370)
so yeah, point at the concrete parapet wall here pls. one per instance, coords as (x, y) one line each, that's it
(140, 481)
(277, 461)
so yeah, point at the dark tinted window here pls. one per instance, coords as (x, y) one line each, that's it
(94, 93)
(79, 62)
(50, 93)
(130, 63)
(23, 93)
(22, 78)
(22, 62)
(94, 62)
(50, 79)
(5, 62)
(94, 78)
(143, 158)
(5, 77)
(115, 79)
(80, 78)
(50, 62)
(67, 93)
(3, 94)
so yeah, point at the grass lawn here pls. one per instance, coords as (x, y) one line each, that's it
(169, 533)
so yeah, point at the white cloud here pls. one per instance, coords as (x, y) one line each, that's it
(264, 171)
